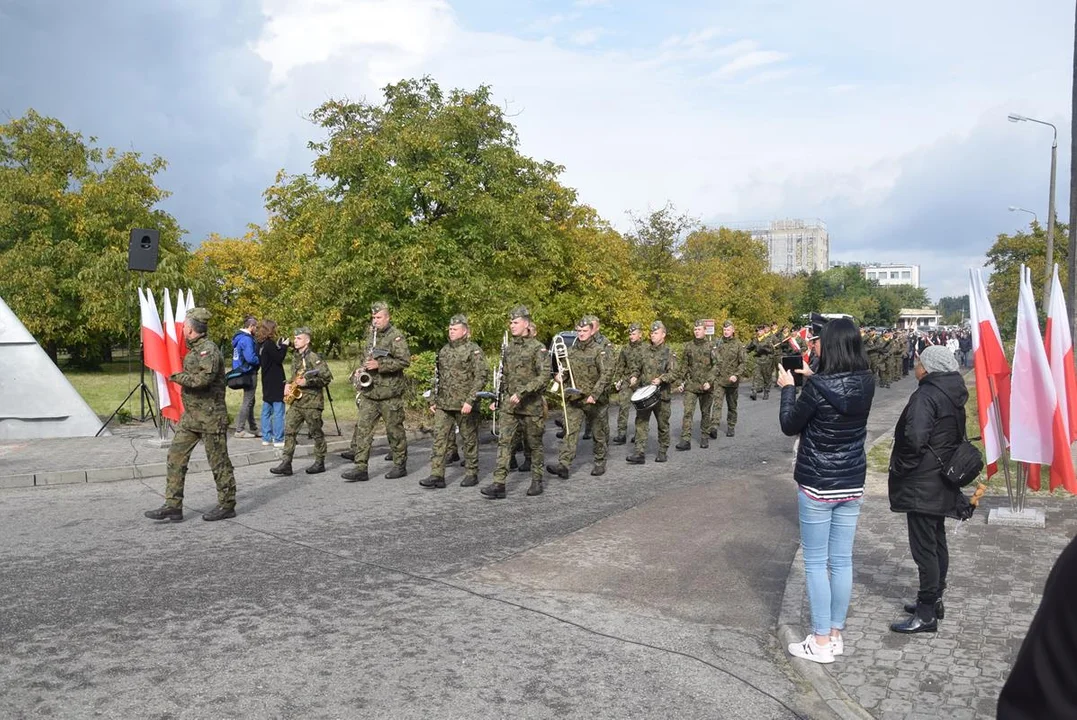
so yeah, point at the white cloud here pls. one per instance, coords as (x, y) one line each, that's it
(587, 37)
(748, 61)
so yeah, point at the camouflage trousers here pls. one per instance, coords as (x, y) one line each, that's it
(728, 394)
(179, 454)
(661, 412)
(624, 407)
(705, 400)
(597, 415)
(294, 420)
(513, 428)
(392, 412)
(445, 421)
(761, 379)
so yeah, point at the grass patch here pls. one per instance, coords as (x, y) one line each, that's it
(879, 455)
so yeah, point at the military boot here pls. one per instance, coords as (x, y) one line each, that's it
(766, 393)
(469, 481)
(348, 455)
(525, 466)
(454, 456)
(661, 457)
(587, 433)
(398, 471)
(752, 395)
(559, 434)
(729, 432)
(599, 469)
(285, 467)
(619, 440)
(636, 459)
(219, 513)
(512, 462)
(317, 467)
(535, 489)
(559, 470)
(165, 513)
(355, 475)
(683, 445)
(432, 482)
(704, 441)
(714, 433)
(389, 457)
(494, 491)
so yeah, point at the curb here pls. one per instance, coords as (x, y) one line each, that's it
(789, 619)
(160, 469)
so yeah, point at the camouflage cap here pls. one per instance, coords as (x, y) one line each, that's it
(727, 324)
(199, 314)
(459, 319)
(634, 327)
(303, 330)
(701, 323)
(520, 311)
(658, 325)
(583, 322)
(379, 306)
(591, 319)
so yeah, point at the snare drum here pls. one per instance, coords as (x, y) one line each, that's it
(646, 397)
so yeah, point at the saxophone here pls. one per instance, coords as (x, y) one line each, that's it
(292, 391)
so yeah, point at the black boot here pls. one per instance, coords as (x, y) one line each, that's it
(661, 456)
(389, 457)
(454, 456)
(713, 433)
(285, 467)
(587, 433)
(766, 394)
(599, 469)
(559, 470)
(432, 482)
(704, 441)
(636, 459)
(940, 609)
(165, 513)
(355, 475)
(559, 434)
(923, 620)
(525, 466)
(752, 395)
(494, 491)
(348, 455)
(729, 432)
(219, 513)
(317, 467)
(683, 445)
(512, 463)
(469, 481)
(535, 489)
(398, 471)
(619, 440)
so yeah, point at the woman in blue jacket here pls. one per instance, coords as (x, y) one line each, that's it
(831, 417)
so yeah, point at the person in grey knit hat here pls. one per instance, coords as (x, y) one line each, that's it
(926, 435)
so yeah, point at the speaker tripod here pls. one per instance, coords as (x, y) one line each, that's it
(145, 399)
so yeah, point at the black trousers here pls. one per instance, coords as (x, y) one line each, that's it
(927, 541)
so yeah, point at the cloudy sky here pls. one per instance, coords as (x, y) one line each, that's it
(888, 121)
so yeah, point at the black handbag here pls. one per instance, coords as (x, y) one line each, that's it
(966, 462)
(240, 379)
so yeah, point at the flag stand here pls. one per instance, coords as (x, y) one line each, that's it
(145, 397)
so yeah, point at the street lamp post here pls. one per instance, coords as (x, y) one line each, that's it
(1035, 217)
(1050, 206)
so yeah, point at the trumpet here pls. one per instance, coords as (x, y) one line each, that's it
(564, 371)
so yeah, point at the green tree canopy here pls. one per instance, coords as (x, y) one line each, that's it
(1005, 259)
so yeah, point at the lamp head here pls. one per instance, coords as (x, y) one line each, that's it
(1012, 208)
(1014, 117)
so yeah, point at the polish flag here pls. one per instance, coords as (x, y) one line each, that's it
(1034, 409)
(175, 364)
(153, 347)
(992, 374)
(181, 316)
(1059, 347)
(803, 334)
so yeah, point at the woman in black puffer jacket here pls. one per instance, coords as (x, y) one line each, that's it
(935, 417)
(831, 417)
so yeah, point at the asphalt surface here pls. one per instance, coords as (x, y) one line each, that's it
(652, 591)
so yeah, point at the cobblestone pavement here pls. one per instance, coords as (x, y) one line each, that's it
(994, 587)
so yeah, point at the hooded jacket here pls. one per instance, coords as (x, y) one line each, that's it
(244, 352)
(831, 416)
(935, 416)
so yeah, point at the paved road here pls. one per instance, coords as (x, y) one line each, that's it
(650, 592)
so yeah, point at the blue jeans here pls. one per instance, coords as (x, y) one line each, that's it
(826, 535)
(273, 421)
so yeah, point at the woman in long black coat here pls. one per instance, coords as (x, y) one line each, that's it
(929, 430)
(271, 353)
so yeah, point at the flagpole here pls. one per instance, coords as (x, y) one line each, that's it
(1004, 456)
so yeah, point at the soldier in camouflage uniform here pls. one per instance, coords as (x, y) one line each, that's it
(762, 346)
(460, 375)
(696, 381)
(731, 362)
(385, 361)
(524, 378)
(873, 347)
(657, 365)
(603, 342)
(205, 418)
(628, 358)
(591, 367)
(311, 373)
(897, 349)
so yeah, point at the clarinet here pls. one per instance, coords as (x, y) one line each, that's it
(499, 384)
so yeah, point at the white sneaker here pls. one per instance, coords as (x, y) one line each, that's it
(810, 650)
(266, 442)
(837, 645)
(280, 444)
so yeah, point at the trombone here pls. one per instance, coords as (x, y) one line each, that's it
(564, 372)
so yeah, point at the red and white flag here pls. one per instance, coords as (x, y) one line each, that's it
(1059, 347)
(1034, 404)
(175, 364)
(181, 316)
(154, 351)
(992, 374)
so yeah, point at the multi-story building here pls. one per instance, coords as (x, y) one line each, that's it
(792, 245)
(892, 274)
